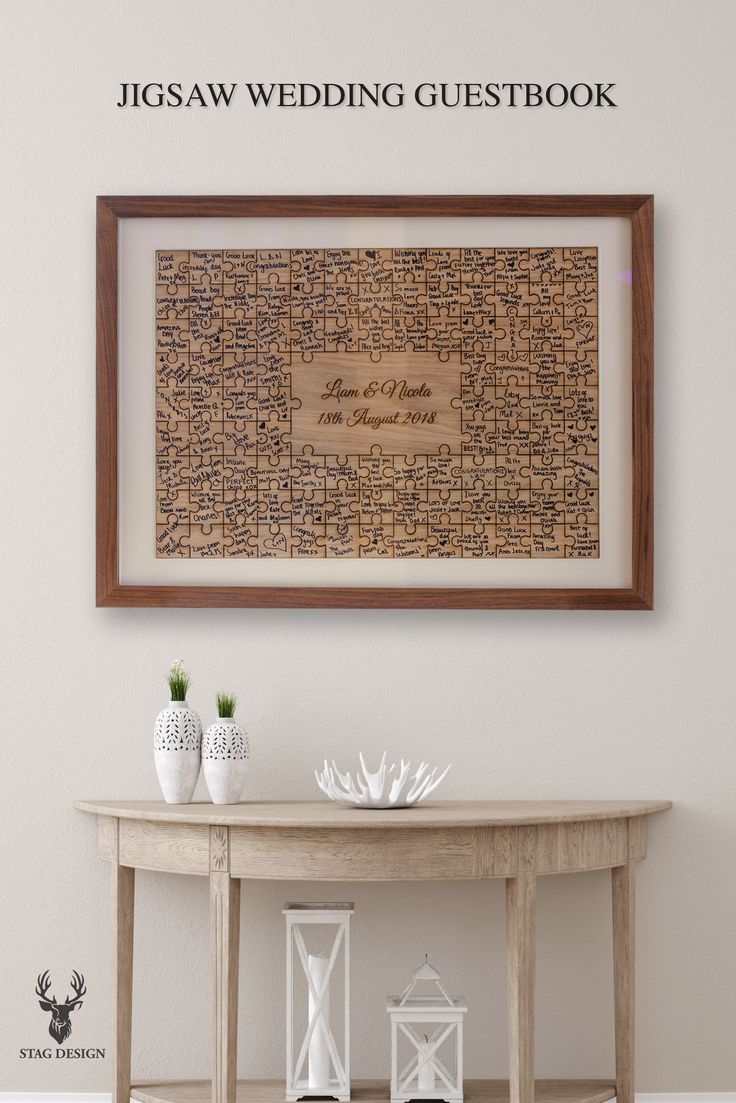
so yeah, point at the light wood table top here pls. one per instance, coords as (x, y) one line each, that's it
(325, 814)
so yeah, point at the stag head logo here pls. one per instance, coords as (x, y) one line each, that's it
(60, 1026)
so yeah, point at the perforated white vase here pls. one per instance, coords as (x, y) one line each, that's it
(225, 754)
(177, 751)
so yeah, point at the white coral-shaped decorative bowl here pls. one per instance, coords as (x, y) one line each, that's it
(388, 787)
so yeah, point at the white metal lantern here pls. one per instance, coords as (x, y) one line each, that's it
(426, 1040)
(315, 1064)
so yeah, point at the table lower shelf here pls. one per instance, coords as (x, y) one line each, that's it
(372, 1091)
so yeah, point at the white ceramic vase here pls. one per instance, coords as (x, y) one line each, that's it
(177, 751)
(225, 754)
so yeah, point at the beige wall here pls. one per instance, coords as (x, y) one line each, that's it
(526, 705)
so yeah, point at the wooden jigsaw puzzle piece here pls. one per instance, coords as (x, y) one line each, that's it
(273, 472)
(443, 265)
(582, 468)
(547, 433)
(443, 333)
(342, 333)
(546, 368)
(274, 368)
(308, 539)
(306, 504)
(514, 507)
(477, 541)
(444, 541)
(478, 504)
(474, 469)
(172, 370)
(513, 541)
(478, 265)
(410, 471)
(585, 541)
(342, 505)
(170, 542)
(238, 267)
(240, 540)
(375, 266)
(442, 470)
(308, 268)
(545, 264)
(549, 541)
(172, 301)
(205, 541)
(172, 268)
(172, 437)
(273, 268)
(237, 507)
(408, 504)
(376, 505)
(341, 266)
(548, 506)
(580, 298)
(342, 540)
(581, 368)
(172, 471)
(274, 506)
(273, 541)
(409, 541)
(172, 505)
(408, 333)
(581, 505)
(409, 265)
(376, 541)
(442, 507)
(376, 469)
(513, 471)
(548, 471)
(581, 263)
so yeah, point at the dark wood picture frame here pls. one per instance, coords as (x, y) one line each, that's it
(637, 208)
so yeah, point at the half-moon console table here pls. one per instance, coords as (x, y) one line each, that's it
(454, 840)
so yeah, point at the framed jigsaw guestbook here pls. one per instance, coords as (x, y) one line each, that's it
(436, 401)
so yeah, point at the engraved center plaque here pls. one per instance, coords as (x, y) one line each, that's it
(406, 403)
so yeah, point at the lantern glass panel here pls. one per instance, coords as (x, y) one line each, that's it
(318, 1011)
(319, 939)
(438, 1075)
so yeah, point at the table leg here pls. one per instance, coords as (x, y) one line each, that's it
(622, 883)
(520, 941)
(225, 937)
(123, 899)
